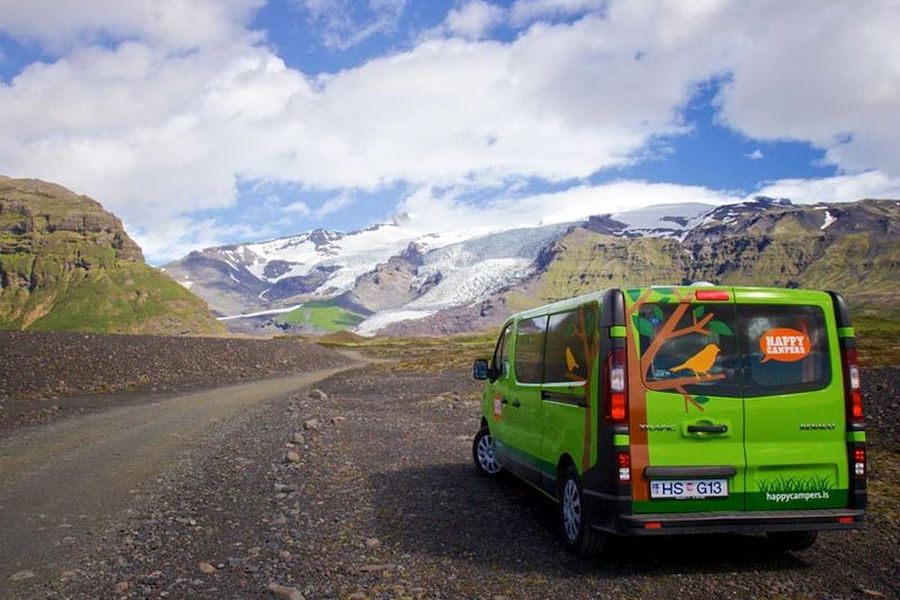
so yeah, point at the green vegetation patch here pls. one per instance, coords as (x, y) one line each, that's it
(322, 315)
(132, 298)
(878, 339)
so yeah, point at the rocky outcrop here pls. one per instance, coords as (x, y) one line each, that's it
(66, 263)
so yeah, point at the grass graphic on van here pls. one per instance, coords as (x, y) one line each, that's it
(795, 485)
(660, 329)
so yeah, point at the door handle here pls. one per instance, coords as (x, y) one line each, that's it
(707, 428)
(516, 403)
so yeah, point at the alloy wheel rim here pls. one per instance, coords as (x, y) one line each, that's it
(486, 457)
(571, 510)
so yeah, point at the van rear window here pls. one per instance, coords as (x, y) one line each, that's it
(785, 349)
(697, 352)
(735, 350)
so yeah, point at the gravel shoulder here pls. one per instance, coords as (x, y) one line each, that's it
(367, 491)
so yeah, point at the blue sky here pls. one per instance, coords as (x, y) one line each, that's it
(203, 122)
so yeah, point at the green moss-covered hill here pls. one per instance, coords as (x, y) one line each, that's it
(67, 264)
(857, 254)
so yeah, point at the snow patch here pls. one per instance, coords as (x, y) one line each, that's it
(379, 321)
(829, 220)
(273, 311)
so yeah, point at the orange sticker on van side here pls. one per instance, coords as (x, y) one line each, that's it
(784, 345)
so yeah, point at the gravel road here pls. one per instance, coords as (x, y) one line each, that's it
(62, 483)
(365, 489)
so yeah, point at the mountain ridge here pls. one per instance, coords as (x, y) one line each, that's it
(458, 281)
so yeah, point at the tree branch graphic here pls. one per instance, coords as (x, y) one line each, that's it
(668, 331)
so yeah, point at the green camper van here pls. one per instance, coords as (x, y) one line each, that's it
(670, 410)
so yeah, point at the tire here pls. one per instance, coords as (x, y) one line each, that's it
(483, 454)
(578, 536)
(792, 541)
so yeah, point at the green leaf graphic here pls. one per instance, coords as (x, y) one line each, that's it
(701, 399)
(720, 328)
(699, 310)
(645, 327)
(658, 313)
(634, 294)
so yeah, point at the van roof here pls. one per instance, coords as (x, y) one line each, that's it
(570, 303)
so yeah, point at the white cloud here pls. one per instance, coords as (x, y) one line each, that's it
(429, 211)
(343, 27)
(527, 11)
(842, 188)
(298, 207)
(828, 74)
(474, 19)
(157, 133)
(335, 204)
(170, 23)
(755, 155)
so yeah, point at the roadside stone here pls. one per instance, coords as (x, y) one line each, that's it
(283, 591)
(298, 438)
(22, 575)
(312, 425)
(292, 456)
(122, 587)
(872, 593)
(206, 568)
(373, 543)
(317, 394)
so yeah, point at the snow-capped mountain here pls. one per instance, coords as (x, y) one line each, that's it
(393, 277)
(253, 277)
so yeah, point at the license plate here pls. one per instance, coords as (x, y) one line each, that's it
(689, 488)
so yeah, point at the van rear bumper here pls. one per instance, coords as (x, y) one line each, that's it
(739, 522)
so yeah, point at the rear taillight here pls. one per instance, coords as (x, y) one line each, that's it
(616, 386)
(859, 462)
(623, 460)
(851, 386)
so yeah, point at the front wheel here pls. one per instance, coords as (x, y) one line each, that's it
(483, 454)
(578, 535)
(792, 541)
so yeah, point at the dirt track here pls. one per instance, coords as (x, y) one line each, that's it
(382, 502)
(63, 483)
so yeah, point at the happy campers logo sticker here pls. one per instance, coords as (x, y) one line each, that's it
(784, 345)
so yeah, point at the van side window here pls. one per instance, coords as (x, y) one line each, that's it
(570, 338)
(501, 353)
(530, 349)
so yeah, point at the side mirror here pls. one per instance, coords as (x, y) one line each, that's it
(480, 369)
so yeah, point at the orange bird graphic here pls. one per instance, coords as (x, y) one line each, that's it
(701, 362)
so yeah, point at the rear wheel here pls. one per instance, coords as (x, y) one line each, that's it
(792, 541)
(483, 453)
(579, 537)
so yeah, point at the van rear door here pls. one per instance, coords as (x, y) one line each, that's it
(795, 431)
(687, 413)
